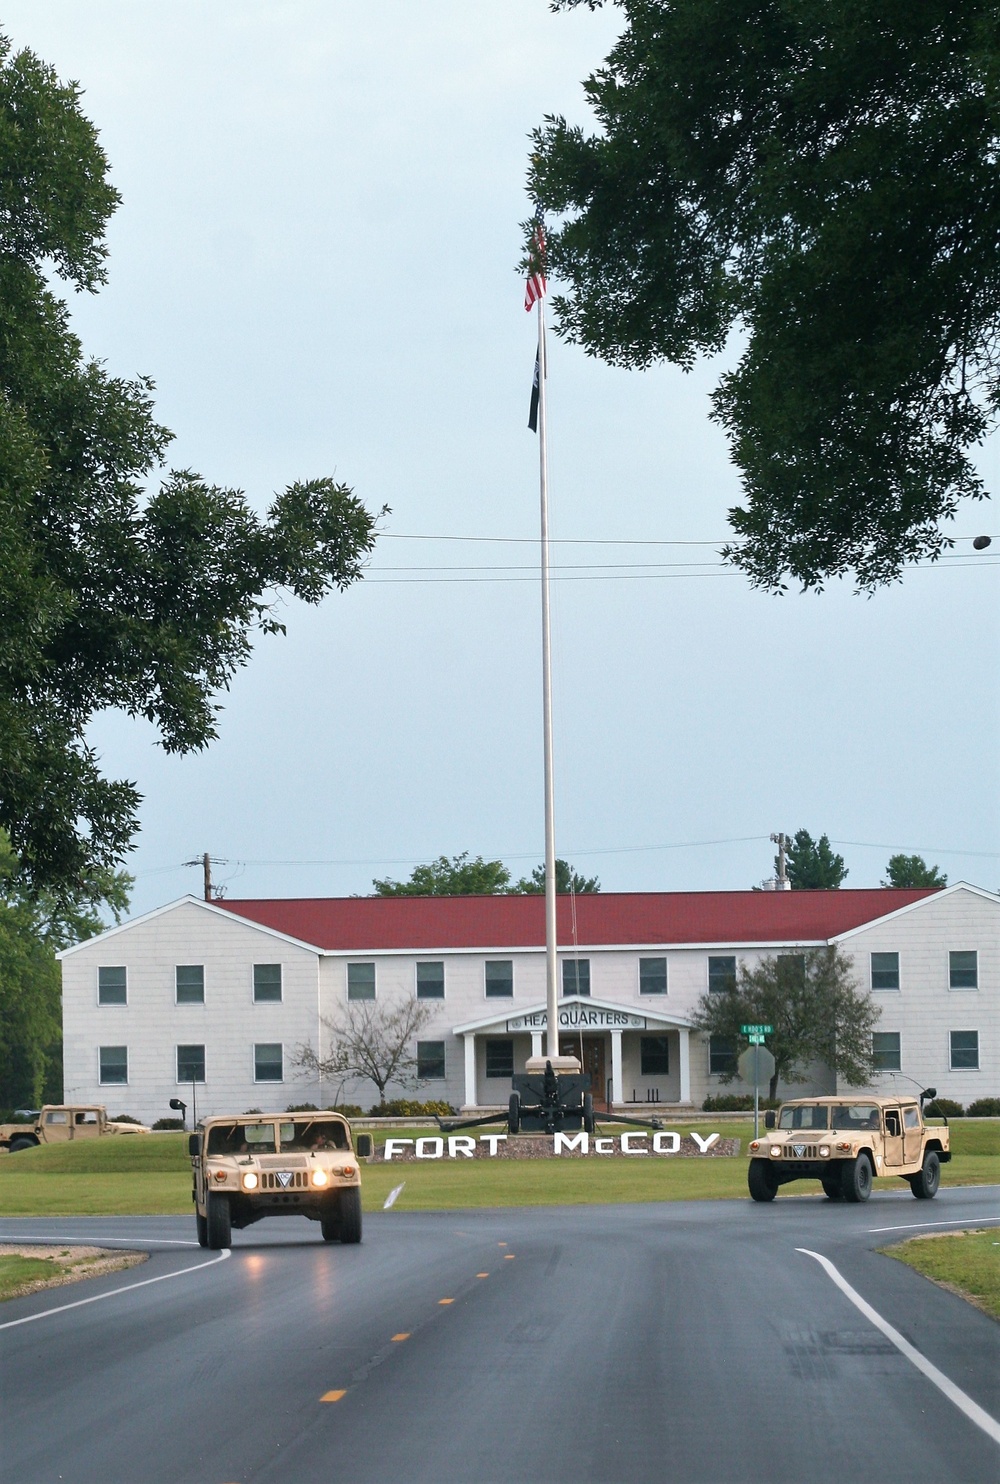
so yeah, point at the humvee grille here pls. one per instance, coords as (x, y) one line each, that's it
(293, 1180)
(800, 1151)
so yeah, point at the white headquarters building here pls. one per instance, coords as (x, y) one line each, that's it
(221, 994)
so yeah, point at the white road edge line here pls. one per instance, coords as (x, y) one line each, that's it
(955, 1394)
(85, 1241)
(96, 1298)
(919, 1225)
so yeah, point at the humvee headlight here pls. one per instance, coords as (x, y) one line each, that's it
(319, 1177)
(775, 1151)
(250, 1181)
(824, 1151)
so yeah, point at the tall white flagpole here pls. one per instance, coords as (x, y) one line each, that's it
(551, 963)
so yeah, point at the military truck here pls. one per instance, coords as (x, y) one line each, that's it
(276, 1164)
(57, 1123)
(844, 1142)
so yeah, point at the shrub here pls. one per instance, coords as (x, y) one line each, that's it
(302, 1108)
(407, 1108)
(125, 1118)
(349, 1110)
(174, 1124)
(944, 1108)
(11, 1115)
(736, 1102)
(984, 1108)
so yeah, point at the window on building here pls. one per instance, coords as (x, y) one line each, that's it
(112, 986)
(499, 978)
(500, 1059)
(430, 1061)
(721, 972)
(267, 984)
(576, 975)
(652, 976)
(430, 981)
(964, 1051)
(190, 984)
(360, 981)
(885, 1051)
(113, 1061)
(722, 1054)
(190, 1064)
(885, 971)
(654, 1056)
(963, 969)
(268, 1062)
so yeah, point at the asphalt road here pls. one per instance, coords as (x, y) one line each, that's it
(685, 1342)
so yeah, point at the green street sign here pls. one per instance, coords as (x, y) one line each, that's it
(756, 1030)
(756, 1040)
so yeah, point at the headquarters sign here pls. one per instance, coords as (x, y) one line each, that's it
(581, 1018)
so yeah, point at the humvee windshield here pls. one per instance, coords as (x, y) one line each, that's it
(850, 1117)
(811, 1116)
(241, 1138)
(313, 1133)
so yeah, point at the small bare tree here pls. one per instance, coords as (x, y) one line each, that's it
(372, 1039)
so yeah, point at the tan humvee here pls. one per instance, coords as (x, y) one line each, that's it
(58, 1122)
(276, 1164)
(844, 1142)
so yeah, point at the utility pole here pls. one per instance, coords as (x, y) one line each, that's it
(781, 840)
(205, 861)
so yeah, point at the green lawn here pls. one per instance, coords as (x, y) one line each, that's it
(968, 1262)
(16, 1271)
(151, 1176)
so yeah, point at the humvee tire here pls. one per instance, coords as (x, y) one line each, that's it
(218, 1224)
(329, 1221)
(588, 1113)
(27, 1141)
(832, 1187)
(857, 1179)
(925, 1185)
(762, 1181)
(514, 1113)
(201, 1226)
(349, 1214)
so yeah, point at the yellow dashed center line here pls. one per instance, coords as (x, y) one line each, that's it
(482, 1275)
(501, 1244)
(446, 1301)
(508, 1257)
(402, 1337)
(332, 1396)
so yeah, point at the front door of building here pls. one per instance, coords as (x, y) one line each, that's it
(590, 1050)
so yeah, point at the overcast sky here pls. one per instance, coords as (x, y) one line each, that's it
(315, 261)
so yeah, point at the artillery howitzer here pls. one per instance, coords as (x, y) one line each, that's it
(548, 1103)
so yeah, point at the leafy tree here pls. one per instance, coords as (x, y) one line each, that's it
(371, 1039)
(817, 1010)
(110, 597)
(567, 880)
(912, 870)
(821, 175)
(458, 877)
(33, 928)
(811, 865)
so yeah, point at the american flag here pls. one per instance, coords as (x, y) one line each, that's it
(535, 289)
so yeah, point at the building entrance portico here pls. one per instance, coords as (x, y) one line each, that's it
(616, 1042)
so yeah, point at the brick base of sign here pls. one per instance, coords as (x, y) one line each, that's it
(669, 1145)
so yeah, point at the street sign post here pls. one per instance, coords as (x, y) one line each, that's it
(754, 1063)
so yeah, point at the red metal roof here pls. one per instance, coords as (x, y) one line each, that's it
(373, 924)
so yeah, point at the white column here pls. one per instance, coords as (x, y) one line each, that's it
(616, 1067)
(536, 1043)
(684, 1063)
(470, 1070)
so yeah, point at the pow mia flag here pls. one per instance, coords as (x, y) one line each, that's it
(533, 408)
